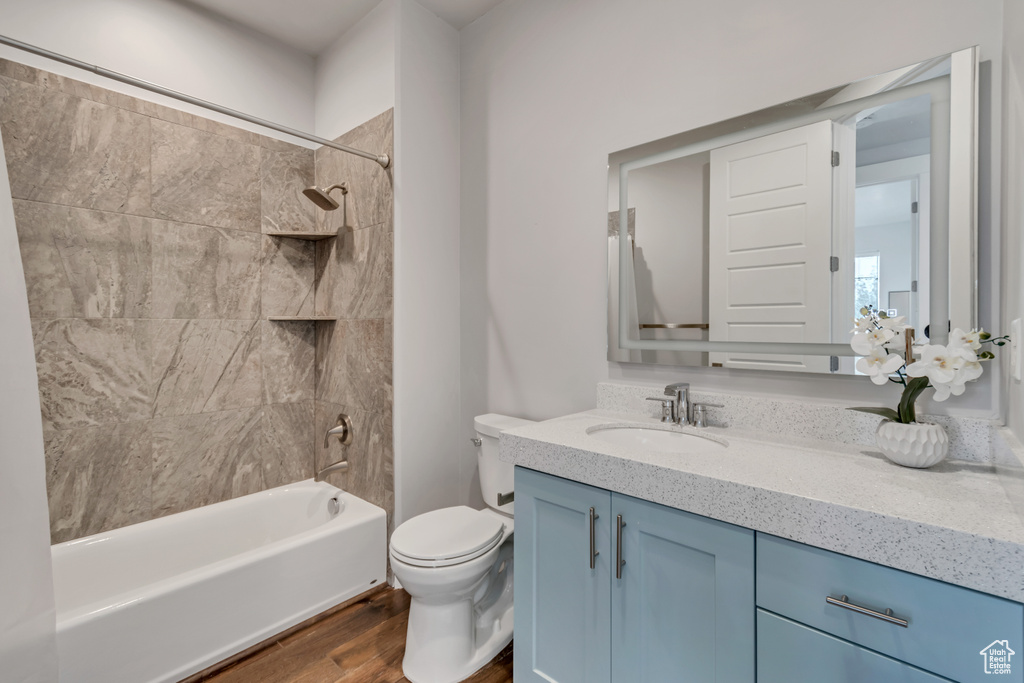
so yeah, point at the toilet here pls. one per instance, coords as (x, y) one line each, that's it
(456, 564)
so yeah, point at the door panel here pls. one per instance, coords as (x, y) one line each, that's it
(683, 609)
(562, 605)
(770, 242)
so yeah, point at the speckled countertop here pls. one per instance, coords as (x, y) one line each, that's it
(955, 522)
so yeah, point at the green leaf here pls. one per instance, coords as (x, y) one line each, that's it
(908, 408)
(884, 412)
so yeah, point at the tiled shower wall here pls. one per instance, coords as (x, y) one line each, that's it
(163, 386)
(354, 283)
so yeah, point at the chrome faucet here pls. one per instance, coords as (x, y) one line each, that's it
(680, 391)
(344, 433)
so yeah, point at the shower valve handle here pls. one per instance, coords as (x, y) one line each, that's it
(343, 431)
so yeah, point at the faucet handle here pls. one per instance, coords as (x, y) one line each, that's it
(343, 431)
(668, 407)
(700, 413)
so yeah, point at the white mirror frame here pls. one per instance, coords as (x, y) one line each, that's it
(953, 298)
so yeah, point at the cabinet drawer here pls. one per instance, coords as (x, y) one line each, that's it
(947, 626)
(788, 652)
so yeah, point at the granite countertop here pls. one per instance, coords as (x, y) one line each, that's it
(953, 522)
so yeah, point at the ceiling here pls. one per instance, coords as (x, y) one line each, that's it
(312, 25)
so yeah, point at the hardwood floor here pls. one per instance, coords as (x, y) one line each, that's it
(361, 643)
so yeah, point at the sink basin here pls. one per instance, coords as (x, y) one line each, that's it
(654, 439)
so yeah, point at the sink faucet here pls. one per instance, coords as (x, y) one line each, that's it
(680, 391)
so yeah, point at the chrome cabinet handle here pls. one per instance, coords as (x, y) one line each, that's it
(885, 616)
(619, 562)
(593, 552)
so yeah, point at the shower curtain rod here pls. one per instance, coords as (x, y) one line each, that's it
(383, 159)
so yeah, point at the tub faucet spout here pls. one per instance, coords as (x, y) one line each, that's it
(340, 466)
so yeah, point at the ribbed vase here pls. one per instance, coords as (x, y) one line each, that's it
(919, 444)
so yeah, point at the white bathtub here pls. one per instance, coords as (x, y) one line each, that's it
(161, 600)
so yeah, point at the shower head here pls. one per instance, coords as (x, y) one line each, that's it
(322, 198)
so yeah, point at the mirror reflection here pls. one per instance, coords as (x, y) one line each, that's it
(777, 227)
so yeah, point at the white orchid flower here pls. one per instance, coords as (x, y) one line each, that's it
(863, 343)
(971, 340)
(895, 324)
(879, 365)
(937, 364)
(861, 325)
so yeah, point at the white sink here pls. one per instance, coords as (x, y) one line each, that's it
(654, 439)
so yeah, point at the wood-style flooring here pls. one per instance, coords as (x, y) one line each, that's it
(363, 642)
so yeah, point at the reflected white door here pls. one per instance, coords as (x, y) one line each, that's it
(770, 246)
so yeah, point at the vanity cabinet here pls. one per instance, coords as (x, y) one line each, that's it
(871, 619)
(612, 589)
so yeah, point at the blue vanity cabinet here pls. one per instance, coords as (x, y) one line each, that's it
(950, 631)
(670, 596)
(562, 604)
(683, 599)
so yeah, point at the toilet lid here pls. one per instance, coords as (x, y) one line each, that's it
(446, 536)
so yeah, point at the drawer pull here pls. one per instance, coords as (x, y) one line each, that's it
(885, 616)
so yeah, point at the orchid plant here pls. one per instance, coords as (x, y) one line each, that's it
(946, 368)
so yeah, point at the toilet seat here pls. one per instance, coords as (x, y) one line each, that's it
(446, 537)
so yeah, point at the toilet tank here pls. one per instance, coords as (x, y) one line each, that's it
(495, 476)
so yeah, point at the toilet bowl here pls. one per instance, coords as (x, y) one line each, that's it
(456, 564)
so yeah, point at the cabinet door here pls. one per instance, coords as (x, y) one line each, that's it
(683, 608)
(562, 604)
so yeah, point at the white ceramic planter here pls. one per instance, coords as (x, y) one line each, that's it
(920, 444)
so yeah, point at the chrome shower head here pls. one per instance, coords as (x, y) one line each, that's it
(322, 198)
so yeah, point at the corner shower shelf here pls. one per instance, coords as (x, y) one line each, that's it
(308, 236)
(302, 318)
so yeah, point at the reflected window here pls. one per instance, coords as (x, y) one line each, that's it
(866, 282)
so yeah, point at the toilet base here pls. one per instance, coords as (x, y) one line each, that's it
(448, 642)
(438, 649)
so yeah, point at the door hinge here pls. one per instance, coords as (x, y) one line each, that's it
(835, 158)
(913, 207)
(913, 285)
(833, 264)
(833, 363)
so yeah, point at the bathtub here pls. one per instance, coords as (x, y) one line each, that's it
(161, 600)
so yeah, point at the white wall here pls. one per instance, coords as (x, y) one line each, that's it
(355, 76)
(429, 472)
(549, 89)
(1013, 191)
(175, 45)
(28, 650)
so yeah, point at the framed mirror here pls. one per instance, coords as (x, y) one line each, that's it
(754, 242)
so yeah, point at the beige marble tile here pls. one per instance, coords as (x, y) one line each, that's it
(283, 177)
(289, 361)
(204, 178)
(370, 200)
(354, 364)
(93, 372)
(206, 458)
(287, 276)
(288, 443)
(201, 272)
(84, 264)
(204, 366)
(355, 273)
(73, 151)
(371, 473)
(98, 478)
